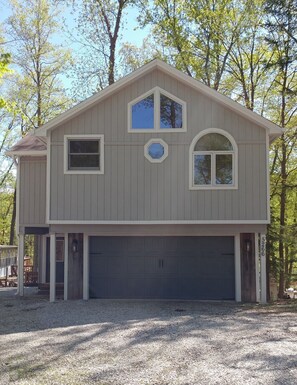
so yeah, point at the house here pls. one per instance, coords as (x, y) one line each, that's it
(157, 187)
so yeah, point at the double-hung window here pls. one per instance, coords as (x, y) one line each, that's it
(84, 154)
(213, 161)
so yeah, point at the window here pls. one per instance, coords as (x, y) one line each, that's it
(156, 150)
(143, 114)
(60, 249)
(157, 110)
(84, 154)
(213, 160)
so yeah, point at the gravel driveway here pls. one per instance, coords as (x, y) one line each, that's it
(151, 343)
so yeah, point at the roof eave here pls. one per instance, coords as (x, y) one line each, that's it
(273, 129)
(42, 131)
(25, 153)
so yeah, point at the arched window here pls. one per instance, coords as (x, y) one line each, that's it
(213, 160)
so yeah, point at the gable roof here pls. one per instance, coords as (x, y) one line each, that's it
(274, 130)
(29, 145)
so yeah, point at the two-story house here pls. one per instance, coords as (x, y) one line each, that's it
(157, 187)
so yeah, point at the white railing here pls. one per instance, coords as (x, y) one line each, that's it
(8, 256)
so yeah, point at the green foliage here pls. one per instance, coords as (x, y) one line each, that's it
(6, 207)
(133, 57)
(281, 24)
(4, 62)
(98, 29)
(34, 92)
(40, 94)
(198, 36)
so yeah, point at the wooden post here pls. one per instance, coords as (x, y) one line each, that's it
(75, 265)
(66, 267)
(257, 255)
(248, 268)
(263, 285)
(43, 261)
(52, 267)
(86, 267)
(237, 269)
(21, 253)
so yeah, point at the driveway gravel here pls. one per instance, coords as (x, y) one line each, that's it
(108, 342)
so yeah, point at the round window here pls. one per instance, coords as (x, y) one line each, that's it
(156, 150)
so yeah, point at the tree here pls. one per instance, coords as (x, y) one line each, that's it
(34, 93)
(199, 35)
(98, 27)
(133, 57)
(4, 62)
(281, 24)
(280, 12)
(39, 63)
(249, 80)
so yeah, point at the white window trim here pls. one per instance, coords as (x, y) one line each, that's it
(157, 91)
(146, 147)
(84, 137)
(234, 153)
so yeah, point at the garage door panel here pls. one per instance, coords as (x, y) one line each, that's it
(152, 264)
(161, 288)
(191, 288)
(162, 267)
(135, 265)
(135, 287)
(217, 289)
(171, 265)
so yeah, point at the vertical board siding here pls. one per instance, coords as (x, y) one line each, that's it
(132, 188)
(32, 191)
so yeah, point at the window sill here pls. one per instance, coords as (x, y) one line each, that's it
(153, 130)
(84, 172)
(213, 188)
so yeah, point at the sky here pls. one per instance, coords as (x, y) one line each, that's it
(129, 33)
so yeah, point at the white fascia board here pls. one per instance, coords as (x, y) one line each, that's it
(160, 222)
(272, 128)
(26, 153)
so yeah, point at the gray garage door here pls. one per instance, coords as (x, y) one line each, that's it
(162, 267)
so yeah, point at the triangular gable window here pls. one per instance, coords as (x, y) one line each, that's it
(157, 110)
(143, 114)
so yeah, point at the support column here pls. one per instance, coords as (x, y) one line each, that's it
(248, 268)
(52, 267)
(75, 265)
(43, 261)
(257, 260)
(66, 267)
(263, 284)
(21, 253)
(237, 269)
(86, 267)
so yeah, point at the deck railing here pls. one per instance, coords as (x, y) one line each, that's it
(8, 256)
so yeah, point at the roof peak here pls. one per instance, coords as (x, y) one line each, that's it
(273, 130)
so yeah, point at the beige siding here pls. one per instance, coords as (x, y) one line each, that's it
(133, 189)
(32, 191)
